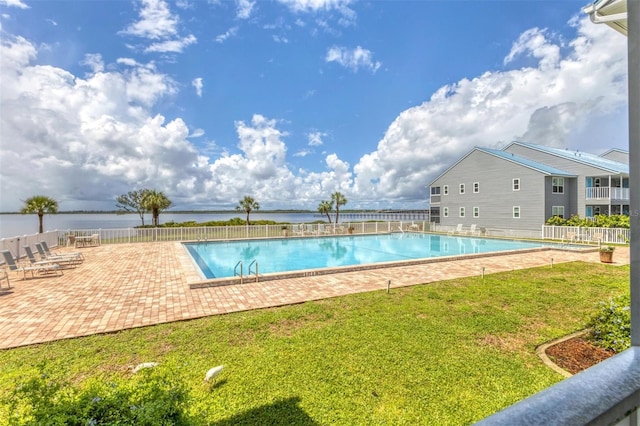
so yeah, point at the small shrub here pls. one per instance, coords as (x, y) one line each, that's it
(599, 221)
(611, 324)
(149, 398)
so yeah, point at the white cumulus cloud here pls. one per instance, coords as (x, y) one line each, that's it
(14, 3)
(551, 104)
(159, 24)
(354, 59)
(86, 139)
(245, 7)
(197, 83)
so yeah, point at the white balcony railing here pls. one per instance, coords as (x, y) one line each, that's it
(606, 193)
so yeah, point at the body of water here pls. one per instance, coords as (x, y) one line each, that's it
(13, 225)
(218, 259)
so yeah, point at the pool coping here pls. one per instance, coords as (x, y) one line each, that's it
(217, 282)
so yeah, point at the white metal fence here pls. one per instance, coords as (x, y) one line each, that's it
(207, 233)
(16, 245)
(586, 235)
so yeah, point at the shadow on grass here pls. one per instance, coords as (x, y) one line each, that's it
(283, 412)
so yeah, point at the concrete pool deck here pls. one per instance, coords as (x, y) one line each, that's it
(124, 286)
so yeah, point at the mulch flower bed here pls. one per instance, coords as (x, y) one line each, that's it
(577, 354)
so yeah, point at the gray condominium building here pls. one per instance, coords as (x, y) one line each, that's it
(522, 185)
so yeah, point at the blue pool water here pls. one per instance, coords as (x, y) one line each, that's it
(218, 259)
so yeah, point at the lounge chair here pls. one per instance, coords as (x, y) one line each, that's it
(62, 260)
(11, 263)
(36, 262)
(596, 237)
(458, 230)
(571, 237)
(472, 230)
(298, 229)
(45, 254)
(324, 229)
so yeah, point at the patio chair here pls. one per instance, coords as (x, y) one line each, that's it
(36, 262)
(472, 230)
(13, 266)
(458, 230)
(596, 237)
(4, 276)
(324, 229)
(571, 237)
(45, 253)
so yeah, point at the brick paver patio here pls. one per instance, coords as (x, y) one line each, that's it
(133, 285)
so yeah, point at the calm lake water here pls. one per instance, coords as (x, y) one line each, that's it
(12, 225)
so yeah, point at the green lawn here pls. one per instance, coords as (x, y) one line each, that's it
(447, 353)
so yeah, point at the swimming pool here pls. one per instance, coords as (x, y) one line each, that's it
(219, 259)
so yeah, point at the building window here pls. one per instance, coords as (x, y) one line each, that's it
(557, 211)
(516, 212)
(558, 185)
(461, 211)
(476, 187)
(445, 212)
(445, 190)
(516, 184)
(476, 212)
(435, 190)
(462, 188)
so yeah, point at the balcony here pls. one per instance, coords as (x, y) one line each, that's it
(606, 193)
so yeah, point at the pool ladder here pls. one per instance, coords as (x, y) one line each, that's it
(241, 275)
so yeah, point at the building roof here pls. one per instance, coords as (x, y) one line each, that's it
(622, 151)
(610, 12)
(604, 164)
(540, 167)
(507, 156)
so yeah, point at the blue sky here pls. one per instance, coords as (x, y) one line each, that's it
(291, 100)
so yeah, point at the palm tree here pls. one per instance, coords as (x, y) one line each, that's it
(40, 204)
(155, 202)
(340, 200)
(325, 207)
(248, 204)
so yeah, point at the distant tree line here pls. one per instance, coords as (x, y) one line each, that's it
(145, 200)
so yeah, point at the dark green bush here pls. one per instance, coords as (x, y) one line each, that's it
(236, 221)
(148, 398)
(611, 324)
(600, 221)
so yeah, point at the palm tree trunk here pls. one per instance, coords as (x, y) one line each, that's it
(40, 216)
